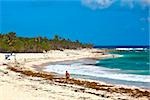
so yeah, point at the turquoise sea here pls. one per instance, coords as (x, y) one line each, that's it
(131, 68)
(131, 62)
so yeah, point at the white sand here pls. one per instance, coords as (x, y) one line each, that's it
(15, 86)
(29, 59)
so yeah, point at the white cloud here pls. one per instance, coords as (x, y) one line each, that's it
(145, 3)
(128, 3)
(102, 4)
(132, 3)
(98, 4)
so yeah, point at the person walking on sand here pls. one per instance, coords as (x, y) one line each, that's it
(67, 76)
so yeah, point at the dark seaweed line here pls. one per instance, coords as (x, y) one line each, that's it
(94, 85)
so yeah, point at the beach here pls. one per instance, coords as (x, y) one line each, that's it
(23, 77)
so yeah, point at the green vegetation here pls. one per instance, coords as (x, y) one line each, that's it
(11, 43)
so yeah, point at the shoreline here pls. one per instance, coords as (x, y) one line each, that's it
(79, 75)
(94, 54)
(130, 91)
(43, 66)
(29, 67)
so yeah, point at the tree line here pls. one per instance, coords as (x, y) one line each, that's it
(10, 42)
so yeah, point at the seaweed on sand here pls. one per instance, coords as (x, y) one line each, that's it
(94, 85)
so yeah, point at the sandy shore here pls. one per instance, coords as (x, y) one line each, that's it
(20, 85)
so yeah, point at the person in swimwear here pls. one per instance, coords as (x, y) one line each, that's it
(67, 76)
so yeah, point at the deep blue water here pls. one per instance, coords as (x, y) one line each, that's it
(132, 62)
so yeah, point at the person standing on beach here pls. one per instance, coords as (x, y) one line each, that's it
(67, 76)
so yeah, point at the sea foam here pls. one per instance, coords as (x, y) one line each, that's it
(97, 71)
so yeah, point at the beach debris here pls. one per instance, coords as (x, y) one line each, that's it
(138, 93)
(31, 73)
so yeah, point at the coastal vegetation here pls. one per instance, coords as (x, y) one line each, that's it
(10, 42)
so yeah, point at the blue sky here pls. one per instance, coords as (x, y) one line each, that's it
(101, 22)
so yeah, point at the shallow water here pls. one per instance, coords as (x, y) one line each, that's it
(132, 62)
(120, 70)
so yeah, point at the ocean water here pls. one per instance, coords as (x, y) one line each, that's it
(132, 62)
(132, 69)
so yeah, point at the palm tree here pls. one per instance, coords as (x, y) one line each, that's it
(56, 38)
(11, 36)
